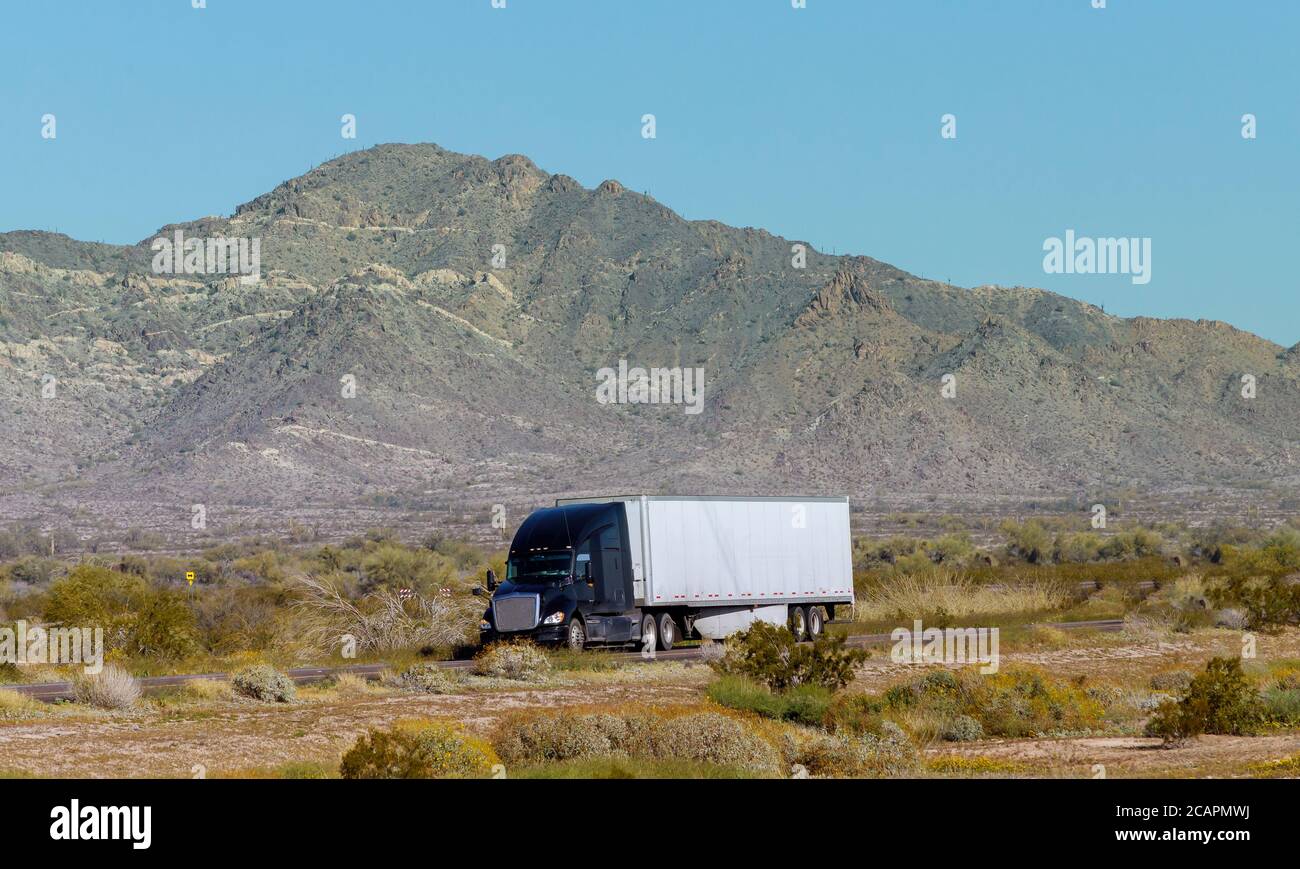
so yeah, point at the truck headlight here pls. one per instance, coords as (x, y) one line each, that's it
(556, 618)
(484, 625)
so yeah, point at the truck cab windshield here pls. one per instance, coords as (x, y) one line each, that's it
(540, 567)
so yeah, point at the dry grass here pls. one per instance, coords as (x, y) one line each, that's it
(380, 622)
(111, 688)
(208, 690)
(16, 705)
(955, 595)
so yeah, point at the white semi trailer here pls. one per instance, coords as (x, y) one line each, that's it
(630, 569)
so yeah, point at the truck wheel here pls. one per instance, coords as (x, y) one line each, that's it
(798, 623)
(815, 622)
(648, 632)
(577, 634)
(667, 632)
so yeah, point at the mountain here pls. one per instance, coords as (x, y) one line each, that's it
(471, 303)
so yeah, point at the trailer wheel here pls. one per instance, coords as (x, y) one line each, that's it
(649, 632)
(667, 632)
(798, 623)
(577, 634)
(815, 622)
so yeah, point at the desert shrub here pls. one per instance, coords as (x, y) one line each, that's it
(1015, 702)
(1218, 700)
(937, 594)
(521, 661)
(1268, 602)
(963, 728)
(382, 621)
(711, 651)
(854, 714)
(567, 735)
(1184, 604)
(94, 595)
(1133, 543)
(769, 655)
(715, 738)
(1023, 702)
(1077, 547)
(952, 550)
(1232, 618)
(705, 737)
(616, 767)
(806, 704)
(33, 571)
(264, 682)
(821, 755)
(16, 705)
(418, 750)
(429, 679)
(1173, 680)
(463, 555)
(135, 617)
(1028, 540)
(110, 688)
(164, 627)
(1282, 706)
(233, 619)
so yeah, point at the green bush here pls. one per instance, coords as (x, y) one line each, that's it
(164, 627)
(1077, 547)
(1282, 706)
(1219, 700)
(1015, 702)
(264, 682)
(769, 655)
(806, 704)
(135, 618)
(418, 750)
(1269, 602)
(1029, 540)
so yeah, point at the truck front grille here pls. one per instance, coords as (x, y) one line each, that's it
(518, 613)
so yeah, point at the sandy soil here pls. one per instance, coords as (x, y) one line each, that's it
(245, 735)
(1134, 757)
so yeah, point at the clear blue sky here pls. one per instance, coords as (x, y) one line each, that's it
(819, 124)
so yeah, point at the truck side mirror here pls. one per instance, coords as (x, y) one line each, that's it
(491, 579)
(586, 572)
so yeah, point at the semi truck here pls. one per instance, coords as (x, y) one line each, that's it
(653, 570)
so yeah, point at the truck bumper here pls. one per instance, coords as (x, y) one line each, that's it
(550, 635)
